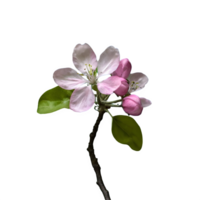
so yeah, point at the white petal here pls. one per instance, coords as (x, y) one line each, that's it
(82, 99)
(68, 78)
(145, 102)
(109, 61)
(109, 85)
(83, 54)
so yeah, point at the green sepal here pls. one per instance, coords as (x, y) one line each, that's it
(53, 100)
(94, 87)
(96, 71)
(126, 131)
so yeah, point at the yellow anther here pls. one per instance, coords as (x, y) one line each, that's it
(89, 69)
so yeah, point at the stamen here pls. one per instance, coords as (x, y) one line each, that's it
(134, 85)
(89, 73)
(87, 68)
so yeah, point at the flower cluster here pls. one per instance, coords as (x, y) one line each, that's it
(121, 82)
(132, 104)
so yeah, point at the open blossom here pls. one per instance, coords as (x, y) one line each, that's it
(85, 61)
(123, 71)
(137, 81)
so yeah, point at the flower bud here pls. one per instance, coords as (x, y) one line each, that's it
(123, 69)
(123, 88)
(132, 105)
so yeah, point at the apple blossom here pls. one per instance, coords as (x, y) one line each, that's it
(85, 61)
(137, 81)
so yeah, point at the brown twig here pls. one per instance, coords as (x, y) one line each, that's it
(93, 158)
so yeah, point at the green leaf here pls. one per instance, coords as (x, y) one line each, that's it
(53, 100)
(126, 131)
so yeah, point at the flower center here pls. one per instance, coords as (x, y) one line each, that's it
(90, 74)
(134, 85)
(88, 69)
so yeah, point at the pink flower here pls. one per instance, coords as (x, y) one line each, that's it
(133, 105)
(85, 61)
(123, 71)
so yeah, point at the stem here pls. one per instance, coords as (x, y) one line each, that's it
(127, 94)
(107, 97)
(109, 113)
(114, 105)
(109, 102)
(94, 160)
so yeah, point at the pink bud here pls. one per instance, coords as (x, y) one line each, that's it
(123, 69)
(123, 88)
(132, 105)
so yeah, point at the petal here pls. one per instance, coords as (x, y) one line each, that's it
(68, 78)
(109, 61)
(82, 99)
(139, 78)
(123, 88)
(83, 54)
(109, 85)
(133, 98)
(123, 69)
(145, 102)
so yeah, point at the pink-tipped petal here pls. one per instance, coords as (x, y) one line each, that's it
(109, 85)
(83, 54)
(145, 102)
(139, 78)
(123, 69)
(82, 99)
(123, 88)
(109, 61)
(68, 78)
